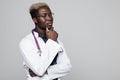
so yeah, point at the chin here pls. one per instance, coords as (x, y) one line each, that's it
(49, 27)
(43, 28)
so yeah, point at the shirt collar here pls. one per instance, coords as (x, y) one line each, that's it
(39, 34)
(44, 37)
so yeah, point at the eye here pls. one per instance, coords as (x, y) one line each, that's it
(50, 14)
(44, 15)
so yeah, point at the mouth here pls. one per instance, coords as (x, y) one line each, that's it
(49, 25)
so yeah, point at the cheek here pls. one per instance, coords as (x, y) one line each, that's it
(41, 21)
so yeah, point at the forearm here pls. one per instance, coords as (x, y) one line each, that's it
(39, 64)
(62, 68)
(32, 74)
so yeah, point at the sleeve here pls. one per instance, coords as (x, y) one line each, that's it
(62, 67)
(38, 64)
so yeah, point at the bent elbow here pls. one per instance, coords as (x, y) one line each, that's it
(69, 68)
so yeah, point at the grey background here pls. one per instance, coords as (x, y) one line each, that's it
(89, 29)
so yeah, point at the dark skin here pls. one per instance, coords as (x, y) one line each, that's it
(43, 24)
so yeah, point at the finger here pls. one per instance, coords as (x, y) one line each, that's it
(47, 29)
(51, 28)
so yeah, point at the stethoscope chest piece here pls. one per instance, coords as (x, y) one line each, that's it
(39, 52)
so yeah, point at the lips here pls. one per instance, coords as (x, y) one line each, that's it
(49, 24)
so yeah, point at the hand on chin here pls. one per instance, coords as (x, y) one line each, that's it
(49, 27)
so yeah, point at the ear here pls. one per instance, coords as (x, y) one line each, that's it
(34, 20)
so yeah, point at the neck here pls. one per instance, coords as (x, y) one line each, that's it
(39, 30)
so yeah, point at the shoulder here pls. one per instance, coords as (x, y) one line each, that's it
(26, 40)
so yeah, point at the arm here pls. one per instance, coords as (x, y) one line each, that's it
(38, 64)
(62, 67)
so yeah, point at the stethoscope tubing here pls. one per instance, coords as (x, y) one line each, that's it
(36, 42)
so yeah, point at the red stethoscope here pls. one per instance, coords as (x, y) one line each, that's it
(36, 42)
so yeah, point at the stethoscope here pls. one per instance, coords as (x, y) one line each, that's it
(37, 44)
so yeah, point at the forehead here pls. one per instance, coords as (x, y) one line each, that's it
(44, 10)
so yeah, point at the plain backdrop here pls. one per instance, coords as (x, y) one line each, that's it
(89, 29)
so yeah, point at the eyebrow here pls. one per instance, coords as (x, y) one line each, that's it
(46, 12)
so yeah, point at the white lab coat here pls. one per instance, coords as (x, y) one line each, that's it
(39, 64)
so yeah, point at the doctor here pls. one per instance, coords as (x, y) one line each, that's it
(44, 55)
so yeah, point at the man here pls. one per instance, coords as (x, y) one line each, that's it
(44, 55)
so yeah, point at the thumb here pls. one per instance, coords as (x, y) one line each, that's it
(47, 30)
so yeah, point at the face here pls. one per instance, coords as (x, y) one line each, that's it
(44, 18)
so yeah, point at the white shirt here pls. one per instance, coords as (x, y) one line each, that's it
(40, 64)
